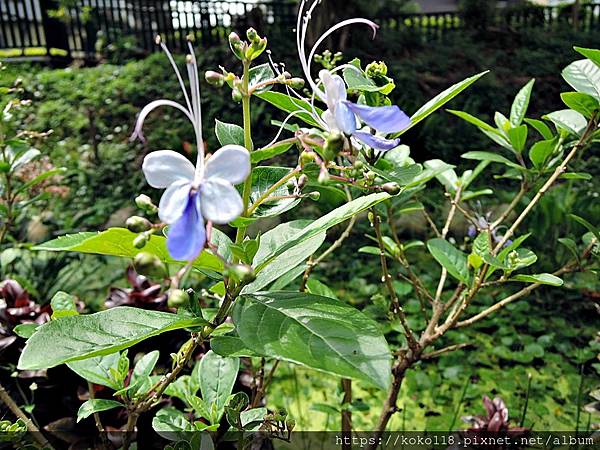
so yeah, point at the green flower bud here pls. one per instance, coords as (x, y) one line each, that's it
(214, 78)
(376, 69)
(149, 265)
(145, 203)
(252, 35)
(306, 158)
(237, 46)
(256, 48)
(391, 188)
(358, 165)
(314, 196)
(141, 240)
(137, 224)
(333, 146)
(323, 177)
(241, 272)
(296, 83)
(370, 175)
(178, 298)
(236, 95)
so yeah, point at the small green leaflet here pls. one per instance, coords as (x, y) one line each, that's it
(449, 257)
(96, 405)
(540, 278)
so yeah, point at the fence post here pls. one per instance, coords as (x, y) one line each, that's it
(55, 31)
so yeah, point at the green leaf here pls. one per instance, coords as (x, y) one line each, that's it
(144, 367)
(580, 102)
(587, 224)
(63, 305)
(172, 424)
(492, 157)
(260, 73)
(541, 151)
(318, 332)
(119, 242)
(520, 104)
(314, 286)
(571, 246)
(287, 260)
(263, 178)
(96, 405)
(444, 173)
(25, 330)
(217, 377)
(568, 120)
(441, 99)
(229, 133)
(590, 53)
(518, 137)
(486, 129)
(541, 128)
(79, 337)
(325, 222)
(449, 257)
(583, 76)
(356, 80)
(401, 175)
(231, 346)
(290, 104)
(43, 176)
(24, 158)
(540, 278)
(97, 370)
(269, 152)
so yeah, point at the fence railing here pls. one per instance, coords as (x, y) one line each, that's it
(41, 27)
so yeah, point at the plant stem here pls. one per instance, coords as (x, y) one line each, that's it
(271, 189)
(346, 414)
(97, 421)
(14, 408)
(241, 231)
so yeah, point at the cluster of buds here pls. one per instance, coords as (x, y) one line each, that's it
(278, 425)
(140, 225)
(247, 50)
(328, 60)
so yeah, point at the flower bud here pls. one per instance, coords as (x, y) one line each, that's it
(236, 95)
(306, 158)
(252, 35)
(302, 180)
(137, 224)
(145, 203)
(149, 265)
(178, 298)
(391, 188)
(214, 78)
(241, 272)
(333, 145)
(370, 175)
(141, 240)
(323, 177)
(256, 48)
(236, 45)
(314, 196)
(296, 83)
(376, 69)
(358, 165)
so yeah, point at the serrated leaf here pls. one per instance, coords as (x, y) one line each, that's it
(119, 242)
(96, 405)
(520, 104)
(79, 337)
(318, 332)
(540, 278)
(449, 257)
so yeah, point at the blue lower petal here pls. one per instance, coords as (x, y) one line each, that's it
(187, 235)
(376, 142)
(345, 118)
(385, 119)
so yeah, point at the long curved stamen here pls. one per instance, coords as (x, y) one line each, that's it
(137, 132)
(282, 126)
(177, 73)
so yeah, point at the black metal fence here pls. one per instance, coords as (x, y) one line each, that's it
(44, 28)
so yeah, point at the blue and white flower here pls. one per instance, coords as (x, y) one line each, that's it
(193, 194)
(367, 124)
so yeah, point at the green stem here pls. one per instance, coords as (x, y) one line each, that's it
(269, 191)
(241, 231)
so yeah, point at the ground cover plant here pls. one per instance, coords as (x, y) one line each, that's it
(248, 303)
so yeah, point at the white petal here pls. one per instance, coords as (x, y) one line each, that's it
(231, 163)
(173, 201)
(220, 201)
(335, 89)
(164, 167)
